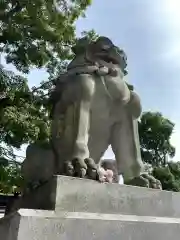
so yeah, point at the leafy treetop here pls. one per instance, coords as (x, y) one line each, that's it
(34, 32)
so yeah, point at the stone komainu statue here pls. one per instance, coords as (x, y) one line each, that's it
(93, 107)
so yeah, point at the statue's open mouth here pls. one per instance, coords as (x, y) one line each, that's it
(110, 60)
(107, 58)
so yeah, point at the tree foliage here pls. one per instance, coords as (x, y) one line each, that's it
(23, 119)
(169, 176)
(10, 178)
(35, 32)
(155, 132)
(22, 116)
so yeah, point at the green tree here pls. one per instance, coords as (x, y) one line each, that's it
(23, 119)
(155, 132)
(10, 178)
(169, 176)
(35, 32)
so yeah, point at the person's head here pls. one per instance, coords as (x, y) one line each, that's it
(110, 165)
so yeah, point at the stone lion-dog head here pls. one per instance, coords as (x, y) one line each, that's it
(99, 52)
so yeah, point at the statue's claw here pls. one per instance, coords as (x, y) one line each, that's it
(145, 180)
(87, 169)
(91, 168)
(83, 168)
(153, 182)
(80, 167)
(81, 173)
(69, 168)
(138, 181)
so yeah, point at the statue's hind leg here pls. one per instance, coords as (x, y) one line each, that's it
(72, 115)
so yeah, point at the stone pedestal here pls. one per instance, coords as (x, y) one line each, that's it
(69, 208)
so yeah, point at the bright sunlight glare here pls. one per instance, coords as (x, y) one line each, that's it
(172, 11)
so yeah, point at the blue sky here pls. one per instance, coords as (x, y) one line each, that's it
(149, 32)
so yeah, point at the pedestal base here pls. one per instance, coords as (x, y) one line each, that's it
(70, 208)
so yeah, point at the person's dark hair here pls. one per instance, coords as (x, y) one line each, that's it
(111, 164)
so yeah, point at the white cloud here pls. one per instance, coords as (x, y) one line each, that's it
(171, 9)
(170, 21)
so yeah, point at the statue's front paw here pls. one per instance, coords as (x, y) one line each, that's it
(75, 168)
(87, 169)
(145, 180)
(138, 181)
(80, 167)
(83, 168)
(153, 182)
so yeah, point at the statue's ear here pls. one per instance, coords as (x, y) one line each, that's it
(80, 45)
(74, 49)
(131, 87)
(77, 49)
(104, 41)
(125, 72)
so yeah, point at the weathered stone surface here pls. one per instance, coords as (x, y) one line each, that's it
(92, 107)
(4, 228)
(40, 225)
(63, 193)
(39, 163)
(73, 208)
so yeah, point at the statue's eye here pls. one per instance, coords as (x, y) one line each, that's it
(104, 50)
(105, 47)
